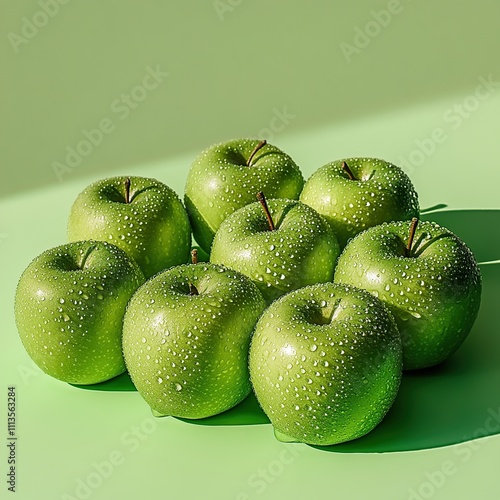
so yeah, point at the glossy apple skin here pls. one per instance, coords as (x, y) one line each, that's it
(382, 193)
(325, 363)
(302, 250)
(219, 183)
(434, 295)
(69, 308)
(153, 228)
(188, 354)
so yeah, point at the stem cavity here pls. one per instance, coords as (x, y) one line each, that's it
(86, 255)
(348, 171)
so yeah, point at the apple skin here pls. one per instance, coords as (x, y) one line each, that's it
(301, 251)
(219, 183)
(188, 354)
(69, 308)
(382, 193)
(153, 228)
(325, 364)
(434, 294)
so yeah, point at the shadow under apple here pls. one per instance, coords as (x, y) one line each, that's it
(248, 412)
(458, 400)
(120, 383)
(454, 402)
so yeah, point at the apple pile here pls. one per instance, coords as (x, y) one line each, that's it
(316, 295)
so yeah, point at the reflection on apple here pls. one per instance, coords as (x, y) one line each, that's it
(325, 363)
(142, 216)
(357, 193)
(280, 244)
(186, 336)
(226, 176)
(427, 277)
(69, 308)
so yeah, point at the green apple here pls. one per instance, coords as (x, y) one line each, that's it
(69, 308)
(186, 336)
(358, 193)
(281, 245)
(426, 276)
(142, 216)
(325, 363)
(226, 176)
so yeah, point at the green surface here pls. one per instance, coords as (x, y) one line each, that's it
(413, 88)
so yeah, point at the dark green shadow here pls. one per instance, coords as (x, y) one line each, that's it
(478, 228)
(122, 382)
(459, 400)
(434, 208)
(455, 402)
(248, 412)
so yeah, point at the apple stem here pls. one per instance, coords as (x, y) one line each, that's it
(255, 149)
(348, 171)
(127, 190)
(413, 228)
(194, 260)
(85, 256)
(335, 310)
(263, 202)
(194, 256)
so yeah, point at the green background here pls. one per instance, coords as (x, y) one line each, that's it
(408, 92)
